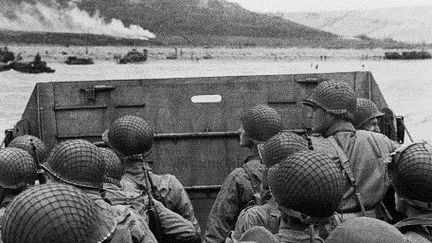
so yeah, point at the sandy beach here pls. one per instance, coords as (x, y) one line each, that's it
(58, 54)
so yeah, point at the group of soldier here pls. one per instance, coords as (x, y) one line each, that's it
(293, 188)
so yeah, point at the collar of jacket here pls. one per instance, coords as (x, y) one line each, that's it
(305, 218)
(340, 126)
(8, 198)
(135, 167)
(251, 157)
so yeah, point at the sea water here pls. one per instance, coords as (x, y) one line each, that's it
(406, 85)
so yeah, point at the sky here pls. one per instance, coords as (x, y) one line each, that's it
(323, 5)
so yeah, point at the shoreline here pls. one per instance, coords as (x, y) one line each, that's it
(59, 54)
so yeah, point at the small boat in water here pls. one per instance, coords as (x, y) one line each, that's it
(31, 67)
(73, 60)
(208, 56)
(5, 67)
(6, 55)
(134, 56)
(407, 55)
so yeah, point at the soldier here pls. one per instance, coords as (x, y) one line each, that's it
(275, 150)
(256, 234)
(114, 168)
(242, 186)
(31, 144)
(365, 230)
(366, 118)
(57, 213)
(172, 227)
(17, 172)
(363, 155)
(308, 188)
(366, 115)
(79, 163)
(36, 148)
(131, 138)
(411, 172)
(37, 59)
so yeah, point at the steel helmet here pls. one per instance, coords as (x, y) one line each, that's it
(308, 182)
(258, 234)
(77, 162)
(56, 213)
(281, 145)
(364, 229)
(130, 135)
(25, 142)
(411, 170)
(261, 122)
(17, 168)
(365, 111)
(334, 97)
(114, 166)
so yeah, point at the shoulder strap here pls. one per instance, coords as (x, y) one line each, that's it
(256, 183)
(344, 162)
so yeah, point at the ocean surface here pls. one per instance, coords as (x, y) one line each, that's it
(406, 85)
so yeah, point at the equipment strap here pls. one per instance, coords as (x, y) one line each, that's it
(345, 164)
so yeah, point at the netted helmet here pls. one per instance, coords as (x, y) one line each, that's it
(130, 135)
(280, 146)
(114, 166)
(55, 213)
(412, 170)
(261, 122)
(308, 182)
(77, 162)
(17, 168)
(258, 234)
(365, 111)
(334, 97)
(364, 229)
(25, 142)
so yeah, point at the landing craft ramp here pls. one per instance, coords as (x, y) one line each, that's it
(195, 119)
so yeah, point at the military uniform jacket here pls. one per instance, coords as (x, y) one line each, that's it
(169, 190)
(174, 228)
(130, 226)
(237, 192)
(368, 154)
(267, 215)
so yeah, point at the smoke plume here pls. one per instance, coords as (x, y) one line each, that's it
(53, 18)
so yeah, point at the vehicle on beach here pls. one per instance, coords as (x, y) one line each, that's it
(407, 55)
(73, 60)
(195, 120)
(134, 56)
(31, 67)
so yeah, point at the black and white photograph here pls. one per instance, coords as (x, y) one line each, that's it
(225, 121)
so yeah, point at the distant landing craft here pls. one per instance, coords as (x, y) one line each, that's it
(410, 55)
(73, 60)
(134, 56)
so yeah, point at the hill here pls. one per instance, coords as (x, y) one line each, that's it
(174, 22)
(407, 24)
